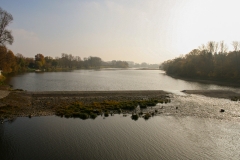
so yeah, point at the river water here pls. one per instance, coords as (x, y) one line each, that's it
(118, 137)
(104, 80)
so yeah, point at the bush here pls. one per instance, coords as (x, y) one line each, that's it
(83, 115)
(142, 105)
(147, 116)
(2, 79)
(93, 115)
(106, 114)
(135, 117)
(235, 99)
(76, 114)
(84, 111)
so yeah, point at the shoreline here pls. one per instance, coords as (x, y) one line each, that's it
(28, 104)
(207, 81)
(214, 93)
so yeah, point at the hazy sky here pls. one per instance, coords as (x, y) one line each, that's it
(133, 30)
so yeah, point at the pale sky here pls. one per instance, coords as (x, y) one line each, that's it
(149, 31)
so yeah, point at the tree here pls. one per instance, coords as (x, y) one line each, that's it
(5, 35)
(39, 61)
(21, 63)
(211, 46)
(236, 45)
(223, 47)
(54, 63)
(204, 64)
(7, 60)
(94, 62)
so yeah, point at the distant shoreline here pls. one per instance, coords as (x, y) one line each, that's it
(214, 93)
(208, 81)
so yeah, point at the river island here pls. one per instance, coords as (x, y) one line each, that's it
(90, 104)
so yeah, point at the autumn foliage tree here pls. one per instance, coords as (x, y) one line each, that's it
(7, 60)
(39, 61)
(208, 61)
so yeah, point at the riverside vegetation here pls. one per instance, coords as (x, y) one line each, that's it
(210, 62)
(84, 111)
(10, 63)
(2, 79)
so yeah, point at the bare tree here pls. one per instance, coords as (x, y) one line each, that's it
(202, 47)
(216, 47)
(222, 47)
(5, 35)
(211, 46)
(236, 45)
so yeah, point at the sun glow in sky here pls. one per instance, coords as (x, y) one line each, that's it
(149, 31)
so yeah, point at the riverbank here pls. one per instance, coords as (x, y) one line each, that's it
(215, 93)
(24, 103)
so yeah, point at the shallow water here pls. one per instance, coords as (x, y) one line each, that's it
(118, 137)
(202, 106)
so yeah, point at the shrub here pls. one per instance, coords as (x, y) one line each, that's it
(2, 79)
(106, 114)
(83, 115)
(93, 115)
(147, 116)
(135, 117)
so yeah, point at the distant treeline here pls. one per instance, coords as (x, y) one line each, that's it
(211, 61)
(142, 65)
(10, 63)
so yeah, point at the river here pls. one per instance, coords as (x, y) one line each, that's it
(105, 80)
(118, 137)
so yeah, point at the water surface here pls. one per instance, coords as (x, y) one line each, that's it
(104, 80)
(118, 137)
